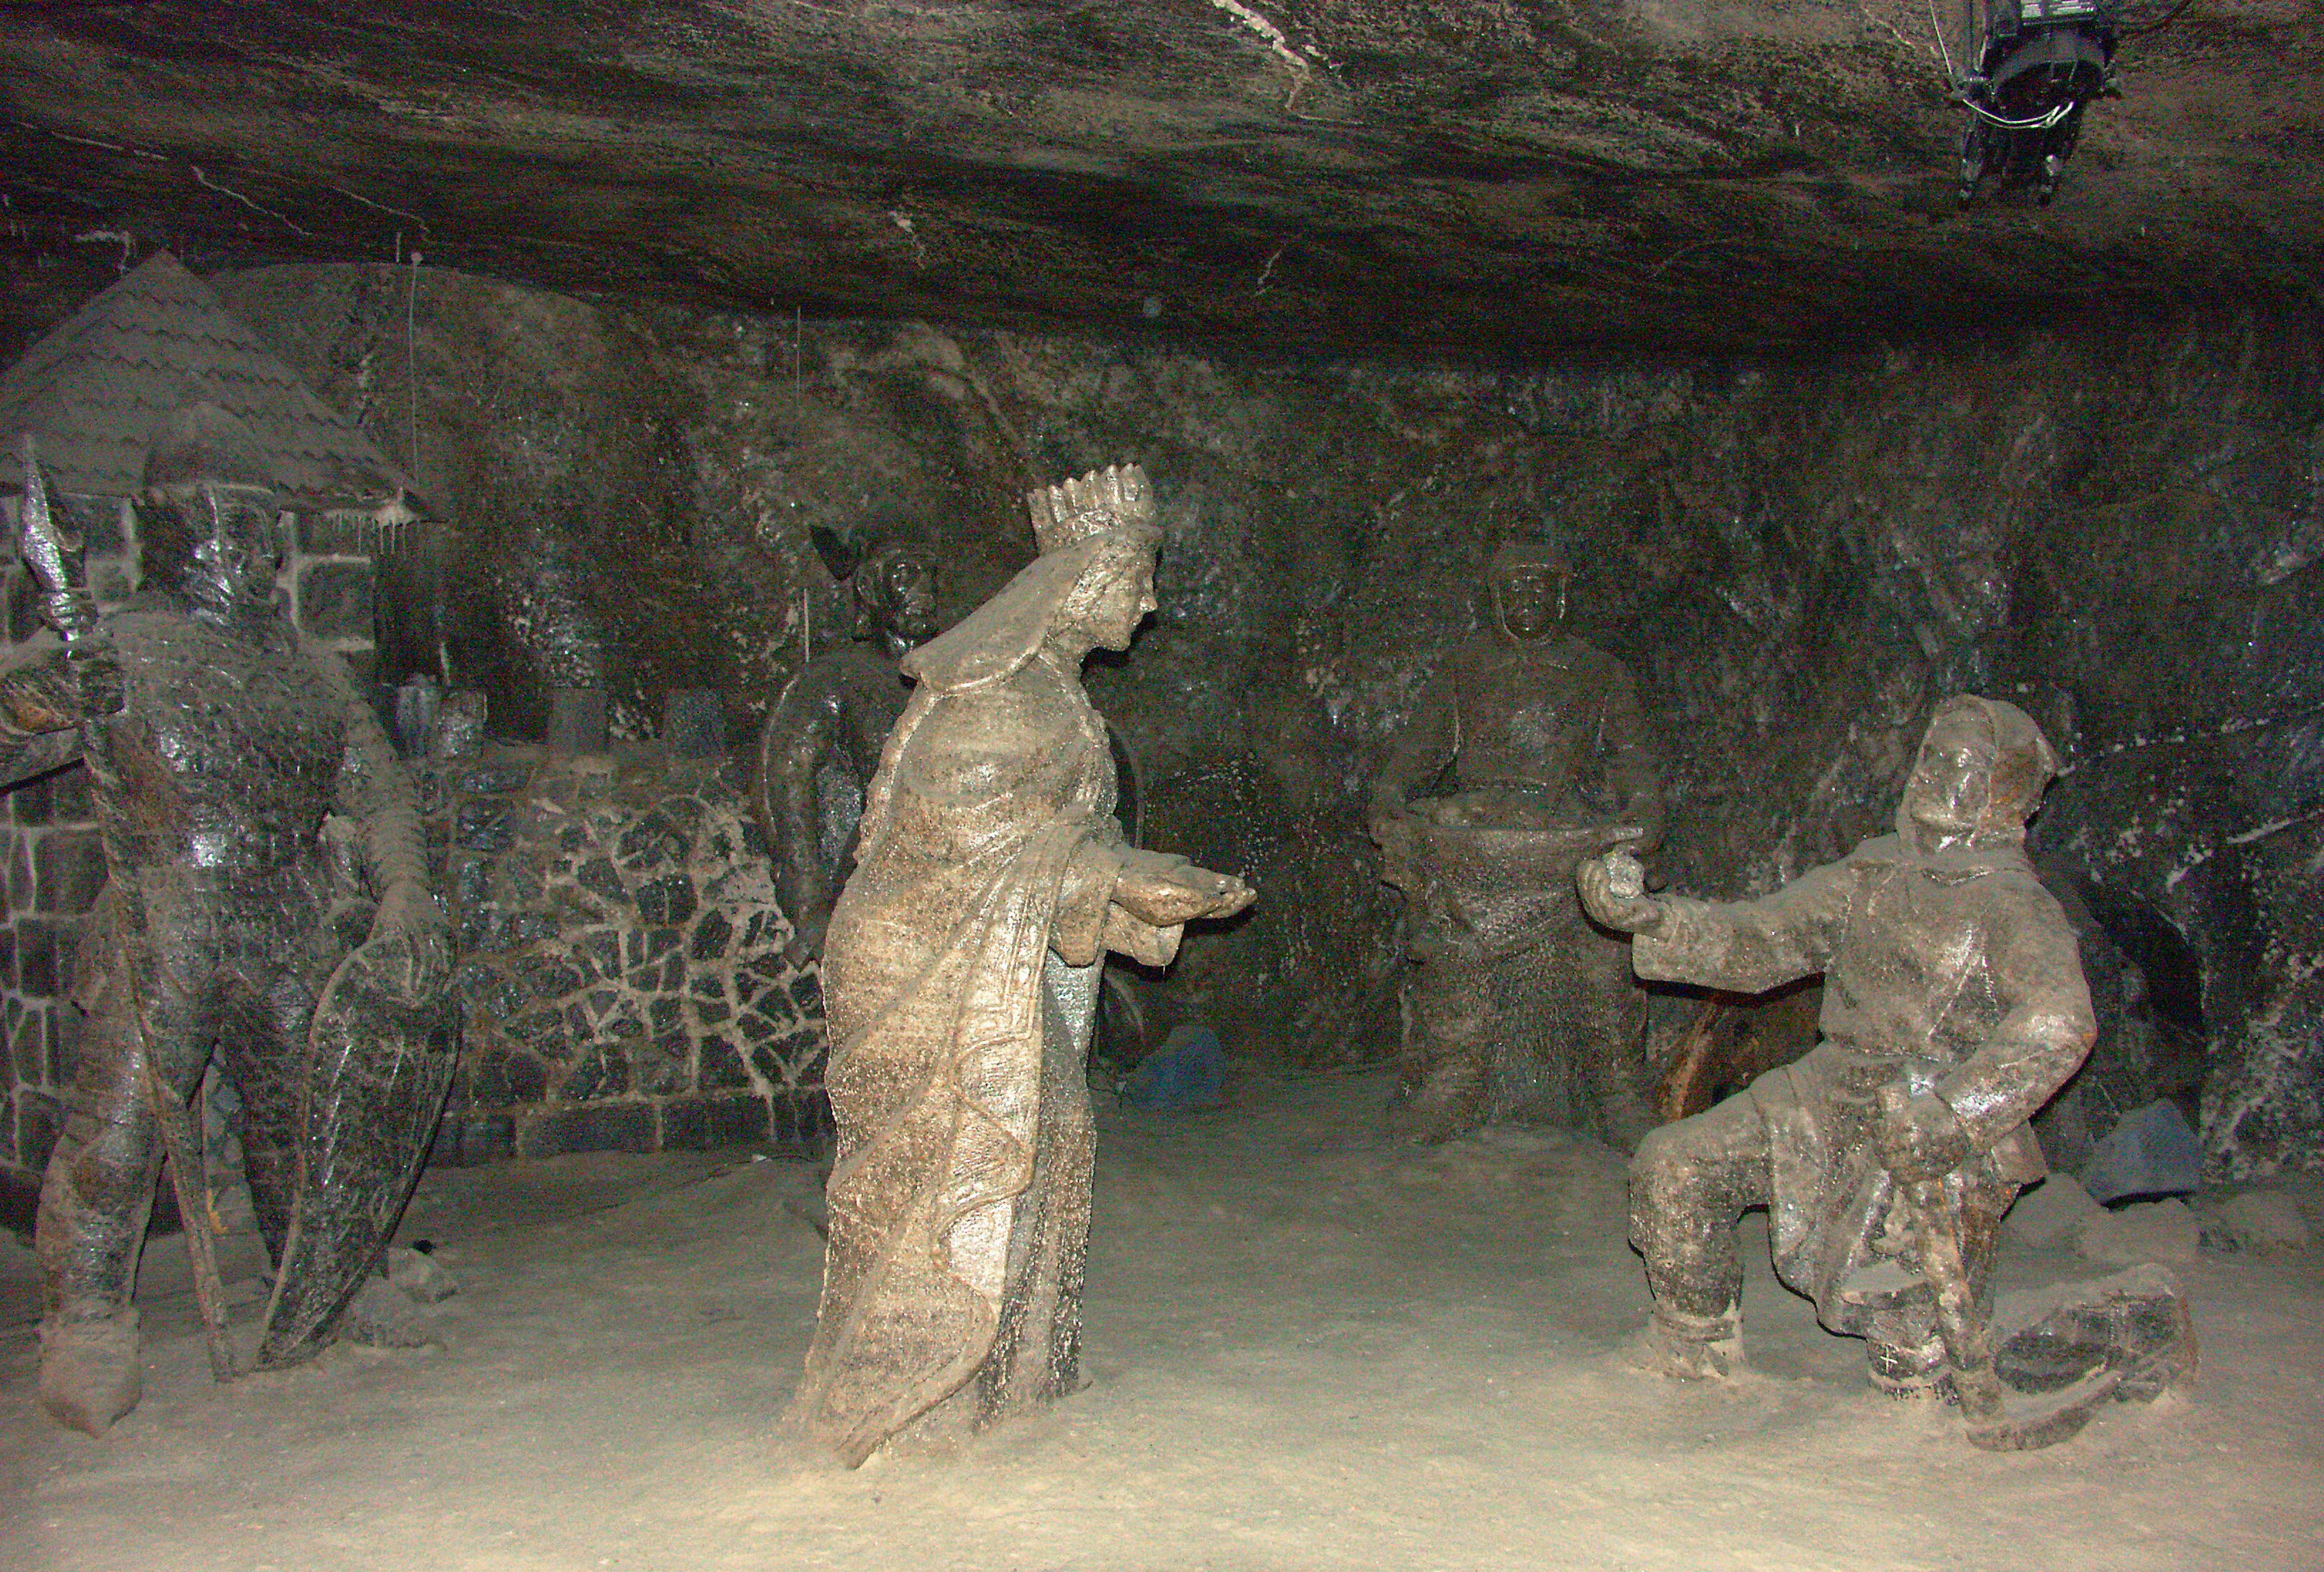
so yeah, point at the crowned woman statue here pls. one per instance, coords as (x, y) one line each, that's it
(960, 975)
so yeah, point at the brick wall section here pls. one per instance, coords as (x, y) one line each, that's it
(621, 976)
(48, 844)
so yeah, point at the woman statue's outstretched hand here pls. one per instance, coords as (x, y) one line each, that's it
(1165, 891)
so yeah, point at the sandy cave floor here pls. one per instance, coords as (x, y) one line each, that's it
(1303, 1350)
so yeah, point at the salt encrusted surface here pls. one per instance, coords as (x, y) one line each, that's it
(620, 971)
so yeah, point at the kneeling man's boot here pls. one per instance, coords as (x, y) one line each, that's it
(1908, 1361)
(1687, 1347)
(90, 1374)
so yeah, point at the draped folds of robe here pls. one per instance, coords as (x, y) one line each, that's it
(959, 979)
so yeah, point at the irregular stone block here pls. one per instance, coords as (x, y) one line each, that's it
(656, 1072)
(487, 991)
(2152, 1152)
(2051, 1211)
(470, 879)
(721, 1065)
(711, 936)
(484, 826)
(693, 722)
(504, 1079)
(467, 1137)
(652, 839)
(601, 1074)
(2135, 1323)
(68, 869)
(794, 1060)
(2163, 1231)
(544, 1032)
(28, 1046)
(65, 1028)
(476, 928)
(577, 721)
(667, 900)
(598, 877)
(459, 729)
(800, 1120)
(2267, 1222)
(596, 1128)
(598, 950)
(39, 1116)
(517, 880)
(59, 798)
(548, 976)
(336, 599)
(701, 1124)
(46, 949)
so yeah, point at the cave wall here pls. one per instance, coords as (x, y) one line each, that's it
(2116, 526)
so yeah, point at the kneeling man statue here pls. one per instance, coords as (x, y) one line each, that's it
(1954, 1006)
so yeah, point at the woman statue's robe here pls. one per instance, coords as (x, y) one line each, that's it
(959, 984)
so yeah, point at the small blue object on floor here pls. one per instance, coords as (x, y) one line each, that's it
(2151, 1152)
(1188, 1071)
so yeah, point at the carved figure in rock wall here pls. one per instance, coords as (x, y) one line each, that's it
(960, 976)
(267, 909)
(1514, 1003)
(821, 742)
(1954, 1006)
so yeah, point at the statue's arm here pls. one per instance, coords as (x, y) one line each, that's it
(2046, 1031)
(375, 790)
(1085, 897)
(410, 934)
(801, 731)
(1420, 754)
(43, 703)
(1632, 758)
(1741, 946)
(1136, 901)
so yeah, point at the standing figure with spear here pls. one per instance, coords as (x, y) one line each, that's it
(256, 824)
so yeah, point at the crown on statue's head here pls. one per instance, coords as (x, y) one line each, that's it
(1116, 497)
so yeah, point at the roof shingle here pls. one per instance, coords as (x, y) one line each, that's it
(94, 392)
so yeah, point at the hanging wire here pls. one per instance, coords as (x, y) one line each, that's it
(2042, 123)
(1950, 74)
(411, 376)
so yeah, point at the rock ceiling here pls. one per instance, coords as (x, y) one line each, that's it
(1484, 178)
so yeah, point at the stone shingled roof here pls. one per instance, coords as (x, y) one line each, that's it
(95, 390)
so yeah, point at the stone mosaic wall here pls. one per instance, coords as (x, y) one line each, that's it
(621, 972)
(48, 844)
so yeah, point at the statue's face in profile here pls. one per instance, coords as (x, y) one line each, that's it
(236, 553)
(908, 595)
(1122, 604)
(1945, 797)
(1531, 597)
